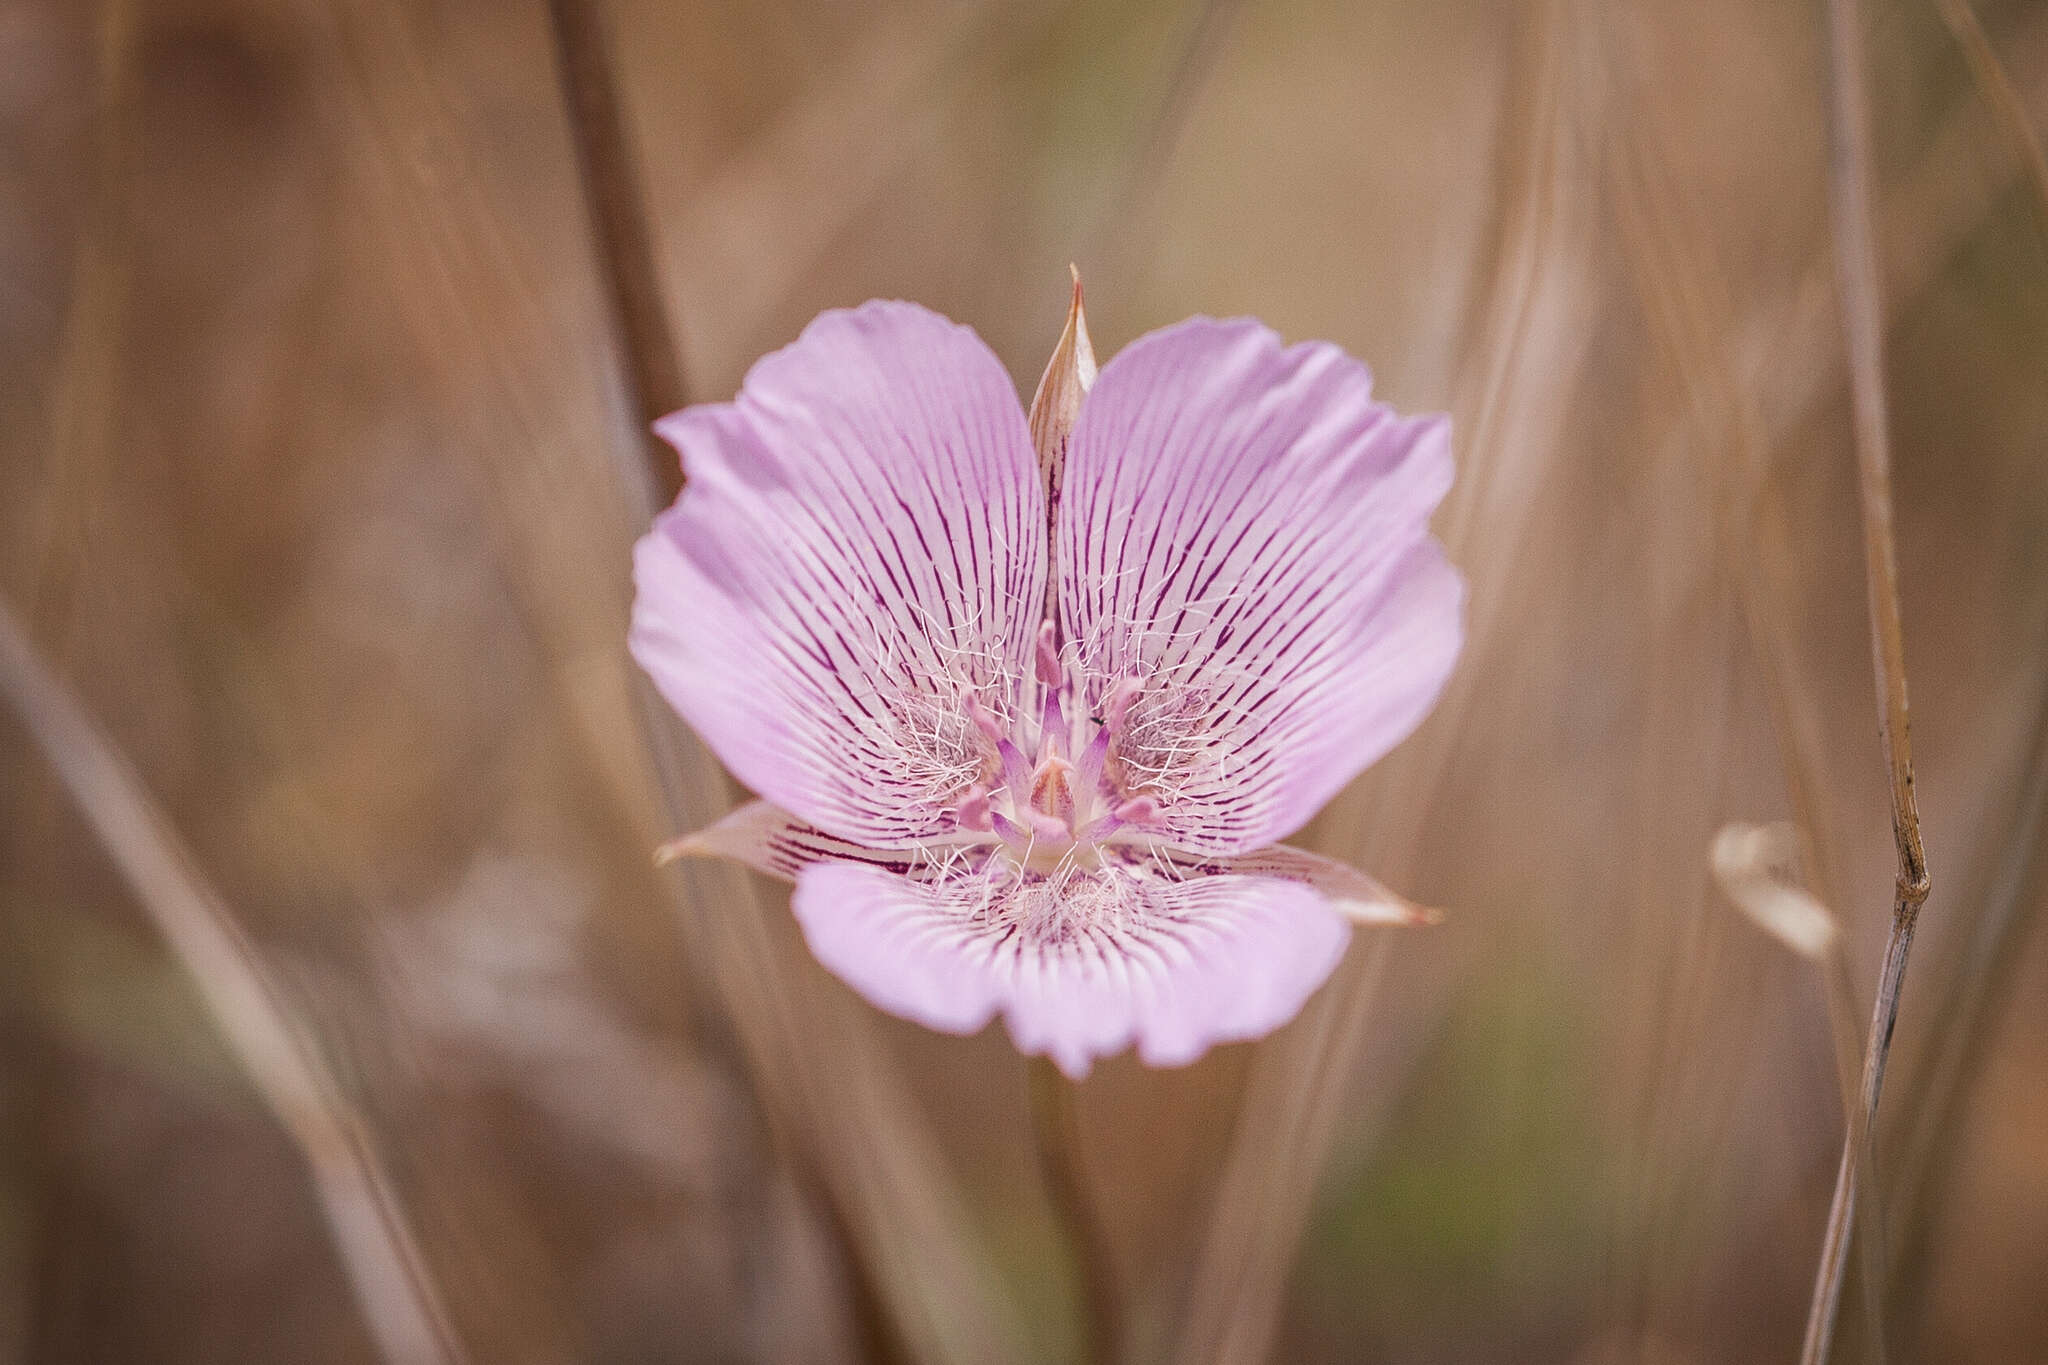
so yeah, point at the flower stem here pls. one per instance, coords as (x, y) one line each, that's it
(1056, 1132)
(1863, 325)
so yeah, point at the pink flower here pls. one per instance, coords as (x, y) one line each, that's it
(1031, 716)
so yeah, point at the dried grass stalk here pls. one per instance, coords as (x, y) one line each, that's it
(809, 1051)
(1991, 77)
(365, 1214)
(84, 406)
(618, 221)
(1056, 1135)
(1863, 324)
(1534, 306)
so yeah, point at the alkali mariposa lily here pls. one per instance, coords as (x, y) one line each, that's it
(1032, 699)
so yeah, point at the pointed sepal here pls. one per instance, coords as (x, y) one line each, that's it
(1057, 405)
(769, 839)
(1356, 895)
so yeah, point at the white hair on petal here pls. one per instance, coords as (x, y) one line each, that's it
(914, 724)
(1068, 902)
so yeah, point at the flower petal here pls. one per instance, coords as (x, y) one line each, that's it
(1185, 965)
(859, 549)
(1246, 531)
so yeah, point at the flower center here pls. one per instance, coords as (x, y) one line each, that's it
(1060, 783)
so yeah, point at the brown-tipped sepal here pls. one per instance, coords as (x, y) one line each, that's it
(771, 840)
(1354, 894)
(1057, 405)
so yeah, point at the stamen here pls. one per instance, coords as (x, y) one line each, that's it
(1052, 678)
(1117, 708)
(985, 720)
(1048, 658)
(1092, 758)
(1048, 826)
(1138, 811)
(1016, 769)
(974, 813)
(1052, 728)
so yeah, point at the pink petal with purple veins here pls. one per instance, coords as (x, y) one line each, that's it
(859, 550)
(1245, 533)
(1122, 959)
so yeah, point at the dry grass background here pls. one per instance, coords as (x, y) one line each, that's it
(312, 489)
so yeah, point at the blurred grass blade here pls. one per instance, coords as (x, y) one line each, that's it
(807, 1050)
(85, 402)
(1057, 1138)
(1112, 234)
(618, 221)
(1991, 77)
(371, 1231)
(1512, 409)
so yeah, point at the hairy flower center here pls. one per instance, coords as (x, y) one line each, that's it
(1065, 781)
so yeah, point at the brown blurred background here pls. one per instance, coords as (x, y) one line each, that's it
(312, 449)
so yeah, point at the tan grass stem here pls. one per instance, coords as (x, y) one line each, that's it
(1972, 996)
(2006, 104)
(85, 400)
(618, 221)
(623, 247)
(1863, 327)
(365, 1215)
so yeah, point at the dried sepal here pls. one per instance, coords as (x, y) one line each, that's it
(771, 840)
(1351, 892)
(1057, 405)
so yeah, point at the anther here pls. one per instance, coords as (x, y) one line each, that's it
(1048, 658)
(975, 813)
(1139, 810)
(985, 719)
(1117, 708)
